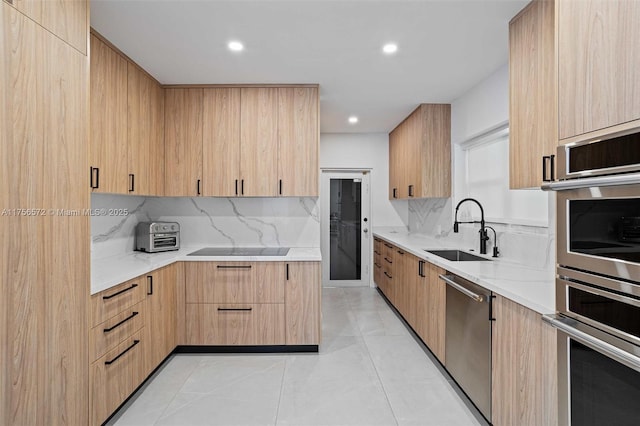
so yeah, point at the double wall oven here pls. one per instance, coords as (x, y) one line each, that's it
(598, 281)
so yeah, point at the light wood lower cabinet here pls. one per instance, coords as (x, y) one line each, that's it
(115, 376)
(251, 303)
(111, 302)
(524, 367)
(160, 319)
(302, 303)
(110, 333)
(377, 263)
(431, 300)
(235, 324)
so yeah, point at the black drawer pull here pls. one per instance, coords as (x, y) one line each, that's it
(388, 245)
(400, 252)
(133, 314)
(235, 309)
(378, 265)
(376, 252)
(421, 268)
(388, 276)
(135, 342)
(120, 292)
(150, 282)
(388, 260)
(132, 180)
(410, 191)
(287, 272)
(233, 266)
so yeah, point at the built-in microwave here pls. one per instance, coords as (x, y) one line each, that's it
(615, 154)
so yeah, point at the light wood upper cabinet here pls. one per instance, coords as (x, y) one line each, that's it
(298, 136)
(221, 142)
(145, 101)
(44, 276)
(183, 142)
(532, 90)
(67, 19)
(108, 119)
(259, 142)
(598, 65)
(524, 367)
(420, 154)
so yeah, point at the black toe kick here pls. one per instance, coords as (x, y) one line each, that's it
(206, 349)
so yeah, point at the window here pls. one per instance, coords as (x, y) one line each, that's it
(486, 178)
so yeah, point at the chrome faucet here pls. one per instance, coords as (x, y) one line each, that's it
(483, 230)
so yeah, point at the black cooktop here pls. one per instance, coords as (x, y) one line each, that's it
(241, 251)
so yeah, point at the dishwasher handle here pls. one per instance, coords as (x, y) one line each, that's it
(449, 280)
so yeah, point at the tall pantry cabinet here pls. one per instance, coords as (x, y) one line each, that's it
(44, 167)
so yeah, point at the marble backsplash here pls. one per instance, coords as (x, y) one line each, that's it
(533, 245)
(288, 222)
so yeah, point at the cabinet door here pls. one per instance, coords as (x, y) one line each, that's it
(303, 303)
(401, 291)
(435, 151)
(298, 141)
(598, 64)
(161, 316)
(183, 142)
(146, 133)
(45, 261)
(524, 367)
(410, 155)
(436, 312)
(221, 142)
(108, 119)
(259, 142)
(67, 19)
(410, 282)
(394, 183)
(115, 376)
(532, 112)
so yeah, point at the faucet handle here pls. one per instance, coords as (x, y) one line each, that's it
(496, 252)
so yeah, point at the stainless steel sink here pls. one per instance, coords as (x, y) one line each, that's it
(457, 255)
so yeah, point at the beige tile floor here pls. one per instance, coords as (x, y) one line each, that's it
(370, 370)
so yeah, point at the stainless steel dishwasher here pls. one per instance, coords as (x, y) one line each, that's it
(468, 339)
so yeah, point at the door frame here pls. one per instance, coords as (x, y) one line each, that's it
(365, 234)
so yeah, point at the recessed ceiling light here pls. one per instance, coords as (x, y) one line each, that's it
(390, 48)
(235, 46)
(353, 119)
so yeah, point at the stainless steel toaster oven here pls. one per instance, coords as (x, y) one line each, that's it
(153, 237)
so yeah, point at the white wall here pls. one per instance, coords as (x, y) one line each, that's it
(366, 151)
(483, 107)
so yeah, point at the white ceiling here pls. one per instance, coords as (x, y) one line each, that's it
(445, 48)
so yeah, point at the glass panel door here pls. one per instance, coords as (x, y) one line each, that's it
(346, 238)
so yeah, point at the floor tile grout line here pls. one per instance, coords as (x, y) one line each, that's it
(162, 415)
(284, 373)
(384, 390)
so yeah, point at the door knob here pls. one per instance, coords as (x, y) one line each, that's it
(365, 230)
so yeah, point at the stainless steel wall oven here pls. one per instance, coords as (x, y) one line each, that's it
(598, 281)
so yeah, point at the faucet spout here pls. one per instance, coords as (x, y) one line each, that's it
(483, 231)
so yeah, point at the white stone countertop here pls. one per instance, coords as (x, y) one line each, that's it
(111, 271)
(531, 287)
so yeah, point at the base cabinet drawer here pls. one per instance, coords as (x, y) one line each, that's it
(110, 333)
(115, 376)
(235, 324)
(110, 303)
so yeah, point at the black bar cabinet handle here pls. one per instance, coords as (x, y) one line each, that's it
(410, 190)
(376, 252)
(388, 260)
(113, 327)
(400, 252)
(235, 309)
(198, 186)
(233, 266)
(236, 186)
(553, 167)
(135, 342)
(242, 187)
(420, 263)
(132, 178)
(395, 193)
(287, 272)
(377, 265)
(388, 245)
(94, 172)
(120, 292)
(150, 282)
(388, 276)
(280, 186)
(544, 168)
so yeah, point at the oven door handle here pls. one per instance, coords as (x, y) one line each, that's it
(565, 325)
(625, 179)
